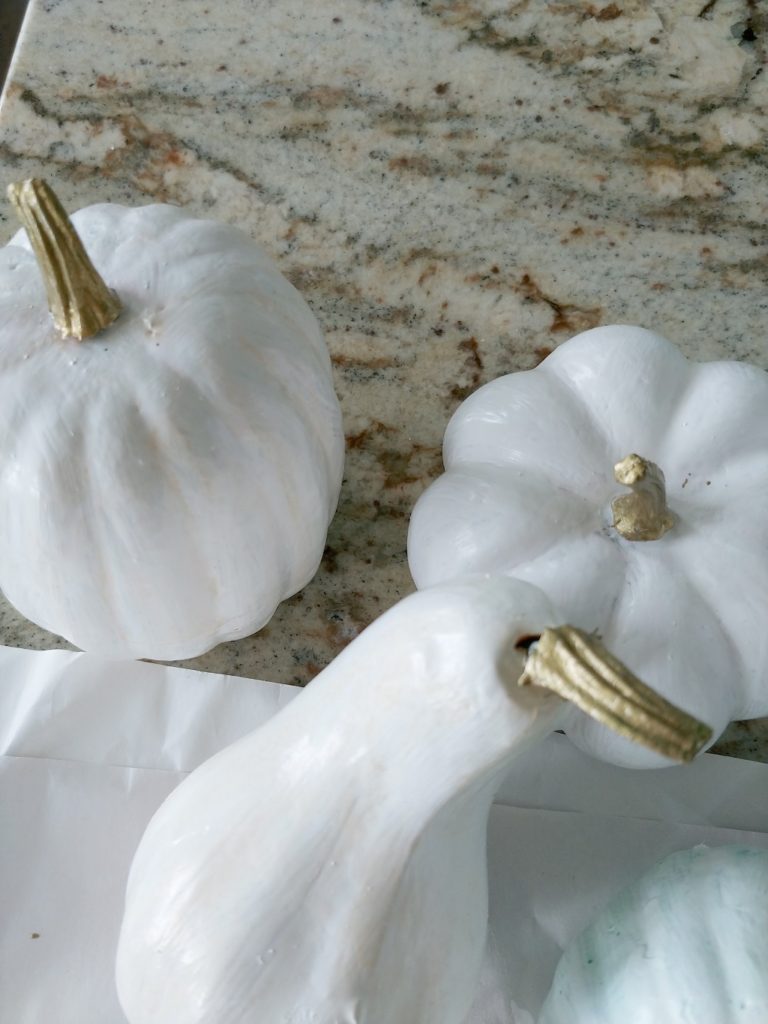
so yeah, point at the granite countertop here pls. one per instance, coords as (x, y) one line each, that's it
(456, 186)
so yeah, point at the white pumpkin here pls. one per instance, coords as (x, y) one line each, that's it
(528, 491)
(166, 483)
(686, 943)
(331, 866)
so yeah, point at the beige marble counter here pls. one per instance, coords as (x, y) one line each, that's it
(456, 186)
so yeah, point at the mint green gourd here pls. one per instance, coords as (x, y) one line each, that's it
(686, 944)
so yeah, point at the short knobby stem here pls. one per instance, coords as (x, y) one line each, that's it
(577, 667)
(643, 514)
(80, 302)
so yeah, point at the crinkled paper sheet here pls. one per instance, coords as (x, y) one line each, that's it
(91, 748)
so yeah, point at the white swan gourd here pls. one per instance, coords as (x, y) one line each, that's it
(331, 866)
(165, 483)
(632, 486)
(686, 944)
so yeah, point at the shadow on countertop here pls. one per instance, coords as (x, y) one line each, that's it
(11, 17)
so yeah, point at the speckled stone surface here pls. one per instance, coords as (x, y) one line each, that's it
(456, 186)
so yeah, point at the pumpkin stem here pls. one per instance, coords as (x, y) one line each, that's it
(643, 514)
(577, 667)
(80, 302)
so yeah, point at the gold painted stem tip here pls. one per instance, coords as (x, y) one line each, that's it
(80, 302)
(578, 668)
(643, 514)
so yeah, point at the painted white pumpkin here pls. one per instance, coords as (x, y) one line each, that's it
(167, 482)
(686, 943)
(331, 866)
(528, 489)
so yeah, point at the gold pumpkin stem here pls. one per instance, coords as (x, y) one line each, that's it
(577, 667)
(80, 302)
(643, 514)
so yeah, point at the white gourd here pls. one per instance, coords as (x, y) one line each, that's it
(686, 944)
(330, 868)
(167, 482)
(531, 467)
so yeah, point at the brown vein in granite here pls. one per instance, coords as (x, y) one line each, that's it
(145, 156)
(567, 316)
(688, 216)
(102, 109)
(555, 41)
(147, 152)
(348, 302)
(482, 29)
(396, 466)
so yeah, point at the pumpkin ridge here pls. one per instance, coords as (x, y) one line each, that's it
(457, 491)
(55, 467)
(737, 652)
(173, 437)
(544, 475)
(312, 407)
(262, 279)
(596, 340)
(617, 636)
(733, 429)
(202, 573)
(272, 459)
(93, 515)
(576, 400)
(584, 523)
(306, 408)
(209, 548)
(593, 450)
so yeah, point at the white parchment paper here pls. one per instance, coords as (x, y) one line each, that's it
(91, 748)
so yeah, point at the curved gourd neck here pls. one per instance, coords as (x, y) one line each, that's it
(423, 734)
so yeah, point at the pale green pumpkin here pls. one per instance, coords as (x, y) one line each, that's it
(686, 944)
